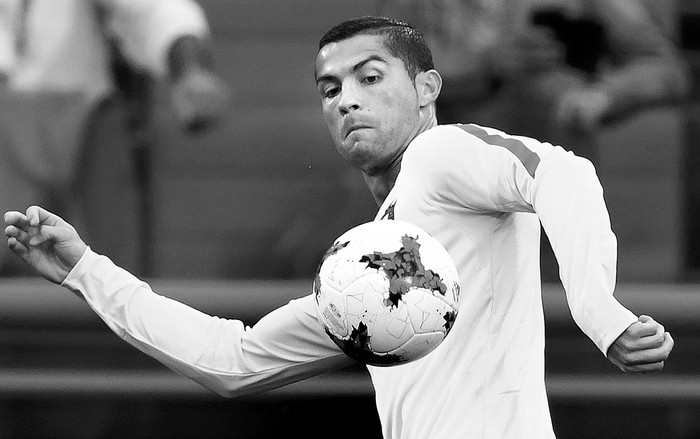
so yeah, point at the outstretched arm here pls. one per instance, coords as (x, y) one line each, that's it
(223, 355)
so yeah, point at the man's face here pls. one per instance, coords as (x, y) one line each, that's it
(369, 101)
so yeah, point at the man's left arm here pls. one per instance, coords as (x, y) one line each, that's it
(519, 174)
(568, 199)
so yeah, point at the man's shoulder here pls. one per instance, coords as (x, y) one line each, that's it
(437, 136)
(440, 147)
(450, 138)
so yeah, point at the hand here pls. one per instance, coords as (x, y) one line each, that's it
(200, 98)
(44, 241)
(643, 347)
(582, 110)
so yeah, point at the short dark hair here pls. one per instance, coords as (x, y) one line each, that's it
(402, 40)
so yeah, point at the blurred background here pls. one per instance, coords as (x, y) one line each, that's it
(232, 216)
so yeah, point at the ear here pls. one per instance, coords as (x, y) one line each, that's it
(428, 86)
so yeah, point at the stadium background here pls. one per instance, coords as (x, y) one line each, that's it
(240, 215)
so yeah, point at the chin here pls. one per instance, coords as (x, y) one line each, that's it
(359, 159)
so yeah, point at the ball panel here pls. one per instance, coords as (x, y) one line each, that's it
(391, 329)
(428, 311)
(418, 346)
(342, 309)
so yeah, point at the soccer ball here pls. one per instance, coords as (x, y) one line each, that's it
(386, 292)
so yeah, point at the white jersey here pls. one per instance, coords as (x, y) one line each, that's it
(481, 193)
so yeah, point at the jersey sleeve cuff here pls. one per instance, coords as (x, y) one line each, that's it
(75, 281)
(623, 319)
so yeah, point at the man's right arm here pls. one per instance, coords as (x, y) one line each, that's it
(223, 355)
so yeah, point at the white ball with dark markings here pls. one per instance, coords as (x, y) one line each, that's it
(387, 292)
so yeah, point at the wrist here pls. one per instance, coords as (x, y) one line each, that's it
(75, 263)
(72, 260)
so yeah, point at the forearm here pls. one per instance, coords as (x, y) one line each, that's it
(571, 208)
(223, 355)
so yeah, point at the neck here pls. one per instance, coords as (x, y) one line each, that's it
(381, 183)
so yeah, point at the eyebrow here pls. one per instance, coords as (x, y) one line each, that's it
(355, 68)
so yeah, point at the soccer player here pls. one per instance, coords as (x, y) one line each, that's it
(480, 191)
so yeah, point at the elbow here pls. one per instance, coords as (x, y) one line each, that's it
(230, 392)
(228, 386)
(224, 388)
(233, 385)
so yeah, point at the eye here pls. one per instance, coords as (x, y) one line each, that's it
(330, 91)
(370, 79)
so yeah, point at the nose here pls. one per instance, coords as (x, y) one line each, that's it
(349, 99)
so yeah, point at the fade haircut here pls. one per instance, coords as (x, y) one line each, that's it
(402, 40)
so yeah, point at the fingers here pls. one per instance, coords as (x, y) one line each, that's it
(643, 347)
(39, 216)
(34, 228)
(16, 233)
(17, 230)
(15, 218)
(26, 236)
(652, 360)
(645, 327)
(34, 217)
(35, 236)
(645, 367)
(651, 334)
(669, 343)
(49, 233)
(644, 318)
(17, 247)
(651, 357)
